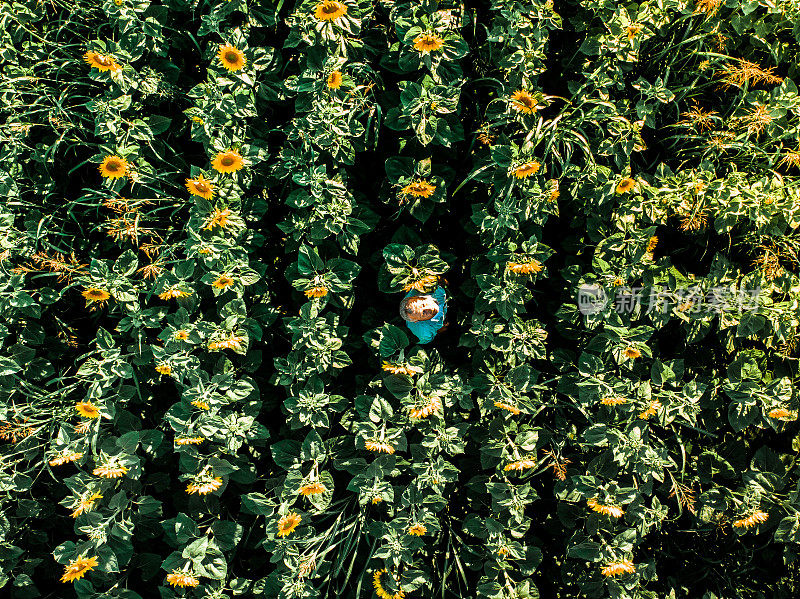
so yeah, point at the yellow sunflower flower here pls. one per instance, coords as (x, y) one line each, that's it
(316, 291)
(227, 162)
(631, 353)
(782, 414)
(625, 185)
(93, 294)
(523, 101)
(417, 530)
(329, 10)
(314, 488)
(204, 488)
(76, 569)
(428, 42)
(223, 282)
(164, 369)
(65, 457)
(200, 187)
(112, 469)
(181, 335)
(616, 568)
(177, 578)
(102, 62)
(432, 405)
(422, 284)
(419, 189)
(334, 80)
(231, 57)
(113, 167)
(507, 407)
(526, 169)
(378, 446)
(613, 511)
(189, 440)
(85, 503)
(174, 293)
(520, 465)
(524, 268)
(87, 409)
(288, 523)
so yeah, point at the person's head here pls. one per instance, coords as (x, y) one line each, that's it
(418, 307)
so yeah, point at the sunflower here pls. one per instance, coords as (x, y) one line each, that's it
(507, 407)
(520, 465)
(219, 218)
(178, 578)
(174, 293)
(231, 57)
(614, 511)
(417, 529)
(93, 294)
(782, 414)
(87, 409)
(113, 167)
(523, 101)
(526, 169)
(189, 440)
(428, 42)
(288, 523)
(613, 400)
(419, 189)
(651, 410)
(223, 282)
(227, 162)
(102, 62)
(200, 187)
(377, 499)
(200, 404)
(651, 243)
(524, 268)
(112, 469)
(204, 488)
(164, 369)
(625, 185)
(329, 10)
(615, 568)
(380, 591)
(316, 291)
(77, 568)
(85, 503)
(396, 368)
(312, 489)
(379, 447)
(433, 405)
(334, 80)
(631, 353)
(181, 335)
(756, 517)
(65, 457)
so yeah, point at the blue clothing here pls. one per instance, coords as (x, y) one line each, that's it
(425, 330)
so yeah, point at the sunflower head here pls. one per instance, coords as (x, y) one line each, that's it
(526, 169)
(227, 162)
(329, 10)
(113, 167)
(288, 523)
(200, 186)
(625, 185)
(77, 568)
(419, 189)
(223, 282)
(334, 80)
(94, 294)
(102, 62)
(87, 409)
(231, 58)
(522, 101)
(428, 42)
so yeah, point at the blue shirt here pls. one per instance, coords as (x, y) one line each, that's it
(425, 330)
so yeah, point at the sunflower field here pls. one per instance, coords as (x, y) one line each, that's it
(212, 209)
